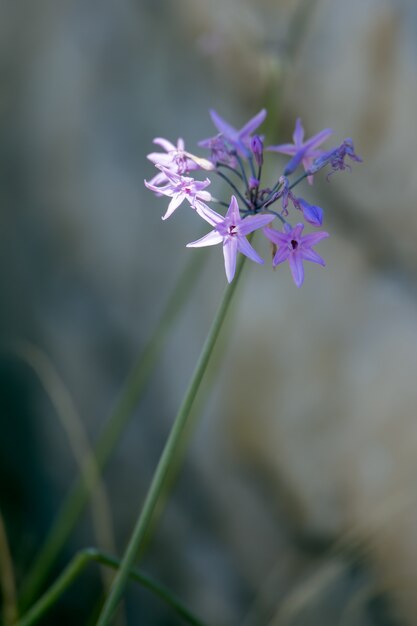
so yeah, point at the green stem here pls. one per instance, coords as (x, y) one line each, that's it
(168, 458)
(74, 569)
(252, 168)
(298, 180)
(7, 579)
(242, 169)
(235, 189)
(79, 493)
(232, 169)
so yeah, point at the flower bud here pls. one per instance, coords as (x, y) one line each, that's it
(257, 148)
(253, 183)
(312, 214)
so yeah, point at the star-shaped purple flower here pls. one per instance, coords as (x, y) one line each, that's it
(231, 230)
(240, 140)
(302, 151)
(295, 248)
(181, 188)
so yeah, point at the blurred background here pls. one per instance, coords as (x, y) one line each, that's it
(297, 501)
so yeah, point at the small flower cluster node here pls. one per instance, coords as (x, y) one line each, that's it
(241, 153)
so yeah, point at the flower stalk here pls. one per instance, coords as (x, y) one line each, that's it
(168, 458)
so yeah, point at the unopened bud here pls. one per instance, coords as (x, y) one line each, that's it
(312, 214)
(253, 183)
(257, 147)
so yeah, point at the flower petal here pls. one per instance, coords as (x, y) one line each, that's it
(313, 238)
(156, 182)
(253, 222)
(166, 190)
(295, 233)
(298, 135)
(200, 184)
(223, 127)
(276, 236)
(205, 143)
(205, 164)
(204, 195)
(307, 163)
(294, 162)
(314, 154)
(281, 255)
(233, 213)
(245, 248)
(160, 157)
(253, 124)
(164, 143)
(177, 199)
(284, 148)
(318, 139)
(311, 255)
(172, 176)
(230, 252)
(211, 239)
(296, 266)
(212, 217)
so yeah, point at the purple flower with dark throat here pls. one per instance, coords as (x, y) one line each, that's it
(231, 230)
(302, 151)
(295, 248)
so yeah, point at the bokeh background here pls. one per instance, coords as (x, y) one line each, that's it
(297, 500)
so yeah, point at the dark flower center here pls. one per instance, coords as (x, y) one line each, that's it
(232, 229)
(294, 244)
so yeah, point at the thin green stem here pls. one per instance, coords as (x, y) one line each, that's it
(283, 220)
(168, 458)
(242, 169)
(235, 189)
(77, 566)
(70, 573)
(78, 495)
(7, 579)
(157, 589)
(251, 165)
(229, 167)
(259, 175)
(298, 180)
(269, 199)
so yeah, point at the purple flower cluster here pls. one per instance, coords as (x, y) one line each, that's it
(241, 153)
